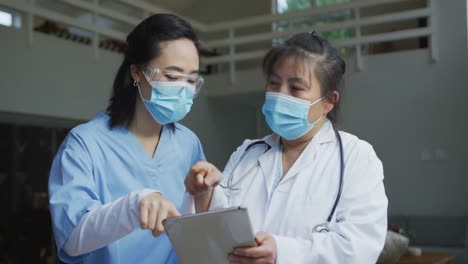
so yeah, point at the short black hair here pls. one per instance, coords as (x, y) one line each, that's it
(143, 46)
(308, 47)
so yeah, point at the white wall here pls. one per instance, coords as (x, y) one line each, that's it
(412, 111)
(53, 77)
(414, 114)
(57, 83)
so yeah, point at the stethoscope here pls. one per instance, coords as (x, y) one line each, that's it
(320, 228)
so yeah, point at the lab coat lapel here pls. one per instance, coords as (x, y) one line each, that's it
(268, 161)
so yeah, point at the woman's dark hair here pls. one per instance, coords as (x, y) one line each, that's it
(315, 53)
(144, 44)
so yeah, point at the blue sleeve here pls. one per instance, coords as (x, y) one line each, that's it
(198, 154)
(72, 191)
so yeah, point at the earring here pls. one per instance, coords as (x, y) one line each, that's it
(135, 83)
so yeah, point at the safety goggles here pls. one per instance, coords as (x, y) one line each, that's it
(158, 75)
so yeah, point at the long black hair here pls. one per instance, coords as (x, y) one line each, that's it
(143, 46)
(309, 48)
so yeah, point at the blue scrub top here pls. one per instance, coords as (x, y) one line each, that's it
(96, 165)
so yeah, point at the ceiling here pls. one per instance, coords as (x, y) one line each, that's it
(175, 5)
(203, 11)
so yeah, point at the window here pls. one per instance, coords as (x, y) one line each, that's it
(285, 6)
(296, 5)
(6, 19)
(10, 19)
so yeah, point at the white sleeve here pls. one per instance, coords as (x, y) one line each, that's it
(358, 234)
(106, 224)
(347, 242)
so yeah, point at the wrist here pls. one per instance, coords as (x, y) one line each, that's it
(202, 201)
(204, 194)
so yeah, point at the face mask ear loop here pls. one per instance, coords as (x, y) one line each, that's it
(137, 84)
(314, 103)
(319, 100)
(316, 121)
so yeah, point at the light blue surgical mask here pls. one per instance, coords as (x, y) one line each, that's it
(170, 101)
(287, 115)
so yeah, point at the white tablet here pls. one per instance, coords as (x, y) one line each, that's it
(209, 237)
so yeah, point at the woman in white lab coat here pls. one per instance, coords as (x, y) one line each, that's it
(290, 180)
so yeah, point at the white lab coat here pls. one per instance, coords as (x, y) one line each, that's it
(305, 196)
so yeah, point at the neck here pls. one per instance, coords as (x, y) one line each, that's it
(143, 124)
(299, 144)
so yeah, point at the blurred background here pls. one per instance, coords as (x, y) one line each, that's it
(405, 93)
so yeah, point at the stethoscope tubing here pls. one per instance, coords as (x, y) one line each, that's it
(324, 227)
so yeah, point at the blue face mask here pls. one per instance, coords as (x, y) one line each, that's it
(287, 115)
(170, 101)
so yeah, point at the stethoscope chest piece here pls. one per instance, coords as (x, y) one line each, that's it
(321, 228)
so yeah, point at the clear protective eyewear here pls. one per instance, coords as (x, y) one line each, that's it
(158, 75)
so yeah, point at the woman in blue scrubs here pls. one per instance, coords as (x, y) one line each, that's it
(117, 177)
